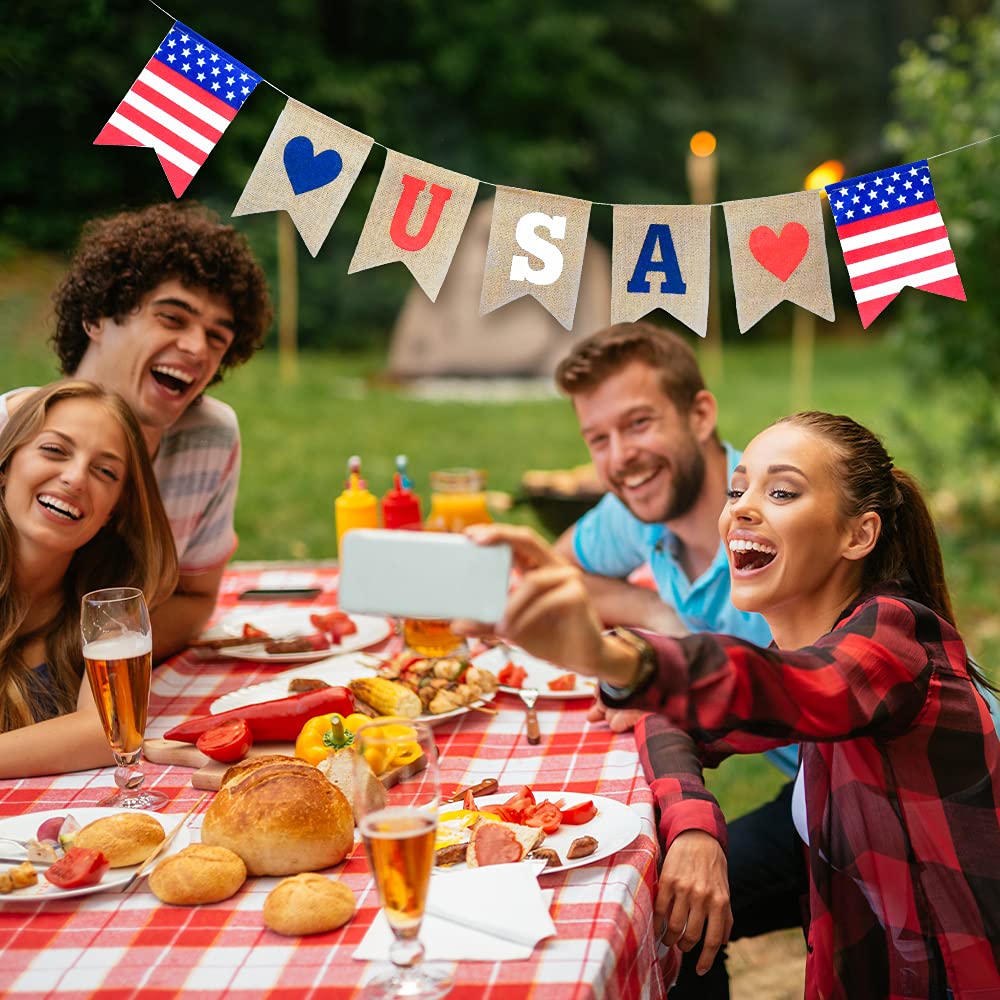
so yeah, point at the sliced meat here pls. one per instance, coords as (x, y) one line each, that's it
(300, 645)
(453, 854)
(549, 856)
(299, 684)
(493, 844)
(582, 847)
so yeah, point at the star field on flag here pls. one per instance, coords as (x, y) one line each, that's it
(893, 237)
(181, 103)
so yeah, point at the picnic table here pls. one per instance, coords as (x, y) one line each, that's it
(120, 944)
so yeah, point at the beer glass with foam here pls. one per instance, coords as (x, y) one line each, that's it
(118, 655)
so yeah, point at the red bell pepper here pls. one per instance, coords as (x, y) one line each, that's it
(276, 721)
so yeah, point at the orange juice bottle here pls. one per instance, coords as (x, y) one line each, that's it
(458, 499)
(355, 507)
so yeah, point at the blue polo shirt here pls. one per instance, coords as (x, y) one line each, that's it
(611, 541)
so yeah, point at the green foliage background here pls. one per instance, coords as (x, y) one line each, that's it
(574, 96)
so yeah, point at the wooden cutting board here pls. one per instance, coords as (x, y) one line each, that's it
(208, 773)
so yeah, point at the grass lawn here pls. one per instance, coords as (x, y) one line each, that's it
(297, 438)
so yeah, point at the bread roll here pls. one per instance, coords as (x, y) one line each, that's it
(198, 874)
(339, 769)
(124, 838)
(308, 904)
(281, 816)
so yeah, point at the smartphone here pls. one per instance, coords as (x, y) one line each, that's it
(415, 574)
(281, 594)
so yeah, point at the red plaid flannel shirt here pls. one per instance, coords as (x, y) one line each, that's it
(902, 769)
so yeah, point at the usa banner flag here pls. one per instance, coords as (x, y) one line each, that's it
(181, 104)
(893, 237)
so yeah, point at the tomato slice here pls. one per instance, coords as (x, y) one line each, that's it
(252, 632)
(564, 682)
(582, 812)
(79, 866)
(336, 623)
(226, 742)
(512, 676)
(546, 815)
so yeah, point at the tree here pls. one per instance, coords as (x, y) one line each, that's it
(948, 95)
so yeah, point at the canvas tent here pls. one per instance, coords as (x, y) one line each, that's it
(449, 337)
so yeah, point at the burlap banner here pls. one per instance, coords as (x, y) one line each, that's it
(417, 217)
(307, 168)
(660, 260)
(778, 252)
(536, 248)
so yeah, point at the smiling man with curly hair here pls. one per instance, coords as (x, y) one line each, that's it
(157, 304)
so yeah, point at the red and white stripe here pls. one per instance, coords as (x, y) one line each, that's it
(166, 112)
(905, 248)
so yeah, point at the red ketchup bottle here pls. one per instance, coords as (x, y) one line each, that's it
(400, 505)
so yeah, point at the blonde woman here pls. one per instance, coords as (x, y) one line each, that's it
(79, 510)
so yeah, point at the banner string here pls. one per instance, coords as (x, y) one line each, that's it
(605, 204)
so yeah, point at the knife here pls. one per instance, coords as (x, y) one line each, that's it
(161, 846)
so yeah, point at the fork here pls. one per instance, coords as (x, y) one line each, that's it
(529, 696)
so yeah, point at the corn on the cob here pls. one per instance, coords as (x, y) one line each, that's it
(387, 697)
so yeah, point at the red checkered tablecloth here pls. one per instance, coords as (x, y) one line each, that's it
(114, 944)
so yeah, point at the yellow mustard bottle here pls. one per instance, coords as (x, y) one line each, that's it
(356, 507)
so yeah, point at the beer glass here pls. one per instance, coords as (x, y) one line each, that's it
(399, 840)
(118, 654)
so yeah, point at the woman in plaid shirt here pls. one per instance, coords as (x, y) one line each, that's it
(900, 758)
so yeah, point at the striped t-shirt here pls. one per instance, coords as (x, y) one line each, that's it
(197, 468)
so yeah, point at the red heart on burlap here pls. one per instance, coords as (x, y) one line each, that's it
(781, 255)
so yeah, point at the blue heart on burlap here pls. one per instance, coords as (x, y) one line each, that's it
(307, 170)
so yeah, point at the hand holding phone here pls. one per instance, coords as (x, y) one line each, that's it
(416, 574)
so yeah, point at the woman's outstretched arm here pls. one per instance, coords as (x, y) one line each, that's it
(72, 742)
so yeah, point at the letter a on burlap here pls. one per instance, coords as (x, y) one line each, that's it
(660, 260)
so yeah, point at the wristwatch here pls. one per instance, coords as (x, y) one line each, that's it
(645, 670)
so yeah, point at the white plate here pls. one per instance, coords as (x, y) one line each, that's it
(615, 826)
(25, 827)
(335, 670)
(540, 672)
(283, 621)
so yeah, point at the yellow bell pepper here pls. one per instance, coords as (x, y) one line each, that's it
(383, 757)
(324, 733)
(320, 735)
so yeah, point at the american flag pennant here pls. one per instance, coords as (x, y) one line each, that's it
(893, 237)
(181, 103)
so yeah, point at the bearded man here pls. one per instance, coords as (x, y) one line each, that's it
(650, 426)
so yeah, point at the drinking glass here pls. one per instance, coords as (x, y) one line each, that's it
(118, 654)
(399, 841)
(458, 499)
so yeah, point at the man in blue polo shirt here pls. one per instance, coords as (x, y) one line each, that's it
(650, 426)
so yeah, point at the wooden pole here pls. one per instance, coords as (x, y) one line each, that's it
(288, 300)
(803, 351)
(702, 177)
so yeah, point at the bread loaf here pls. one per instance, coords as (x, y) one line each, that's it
(308, 904)
(125, 838)
(281, 816)
(198, 874)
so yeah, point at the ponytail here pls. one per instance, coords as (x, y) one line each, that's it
(907, 548)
